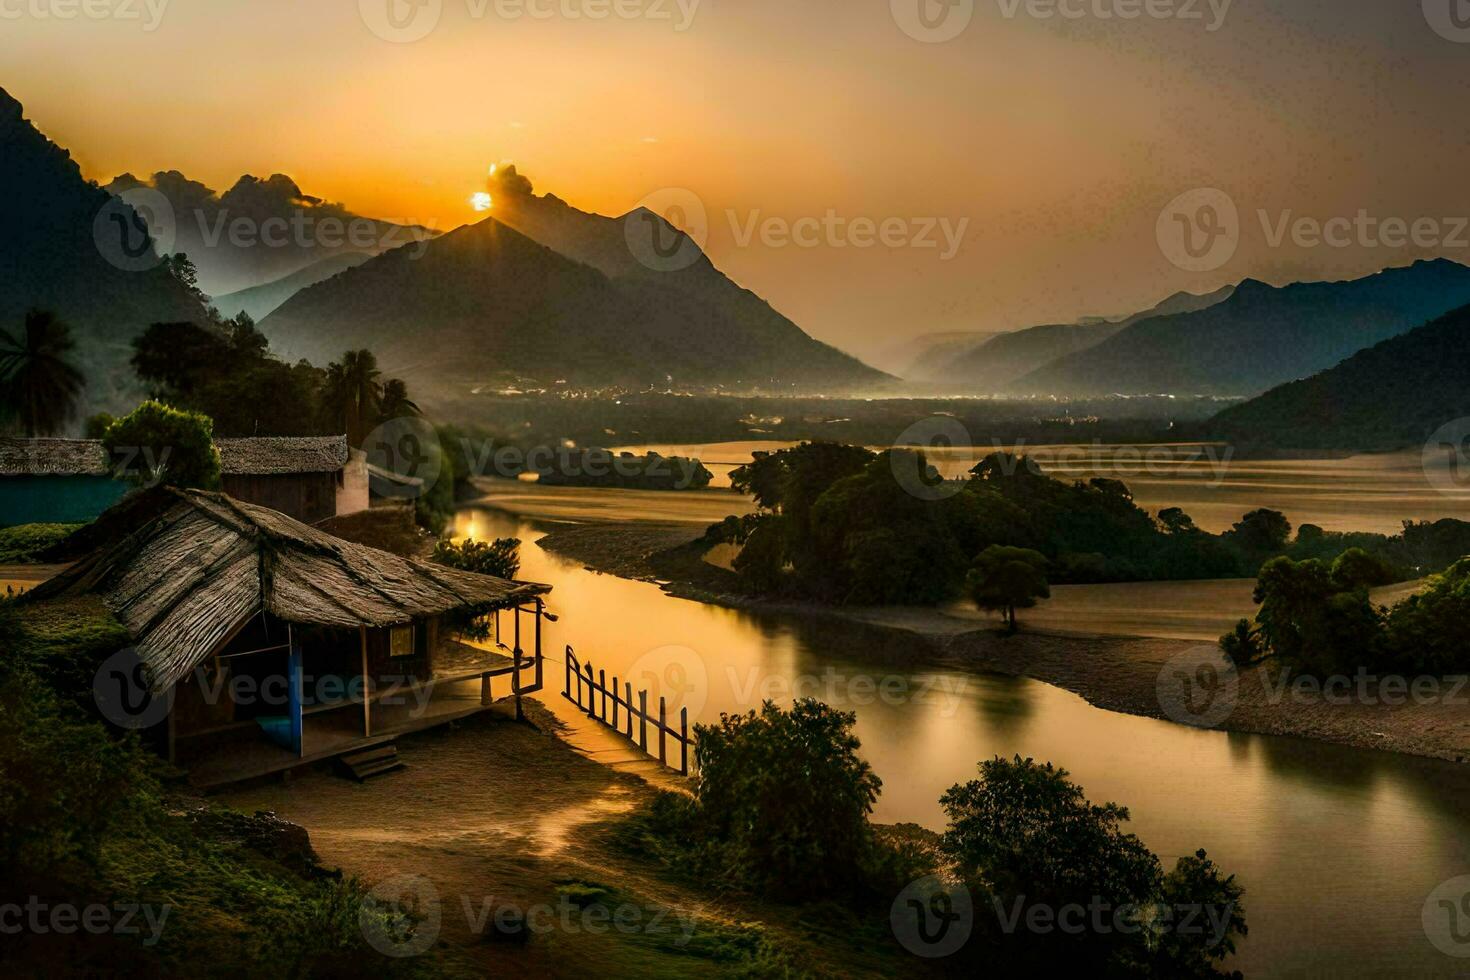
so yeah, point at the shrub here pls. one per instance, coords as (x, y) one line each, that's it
(159, 444)
(26, 542)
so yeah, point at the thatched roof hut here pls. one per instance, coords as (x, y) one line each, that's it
(185, 570)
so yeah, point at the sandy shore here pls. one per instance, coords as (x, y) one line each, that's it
(1154, 676)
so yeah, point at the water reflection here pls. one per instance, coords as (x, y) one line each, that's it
(1337, 848)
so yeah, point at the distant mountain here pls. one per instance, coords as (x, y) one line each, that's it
(928, 357)
(995, 365)
(68, 247)
(719, 319)
(1260, 337)
(486, 305)
(260, 301)
(260, 231)
(1390, 396)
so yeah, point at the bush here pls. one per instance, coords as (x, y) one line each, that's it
(501, 558)
(25, 543)
(781, 802)
(159, 444)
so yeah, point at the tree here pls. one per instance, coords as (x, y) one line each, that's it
(1008, 579)
(352, 394)
(784, 800)
(395, 402)
(1356, 570)
(159, 444)
(501, 557)
(1261, 533)
(41, 384)
(97, 425)
(1242, 645)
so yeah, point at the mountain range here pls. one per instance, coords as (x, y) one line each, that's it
(258, 302)
(1393, 395)
(260, 230)
(544, 293)
(69, 248)
(1260, 337)
(998, 364)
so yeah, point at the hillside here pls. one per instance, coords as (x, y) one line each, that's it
(1260, 337)
(1391, 396)
(995, 365)
(260, 231)
(928, 357)
(52, 257)
(260, 301)
(720, 319)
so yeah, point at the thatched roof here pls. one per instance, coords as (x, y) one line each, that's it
(183, 569)
(53, 457)
(271, 455)
(265, 455)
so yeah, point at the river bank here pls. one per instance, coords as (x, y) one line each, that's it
(1155, 677)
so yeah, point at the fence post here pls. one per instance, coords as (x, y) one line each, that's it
(515, 684)
(591, 693)
(684, 741)
(615, 702)
(643, 720)
(629, 699)
(602, 686)
(662, 728)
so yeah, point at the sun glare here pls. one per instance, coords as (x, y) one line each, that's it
(481, 201)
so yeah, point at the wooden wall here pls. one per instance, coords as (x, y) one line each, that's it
(308, 497)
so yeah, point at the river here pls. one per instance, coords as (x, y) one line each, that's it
(1338, 849)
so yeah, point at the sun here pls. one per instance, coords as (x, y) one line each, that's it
(481, 201)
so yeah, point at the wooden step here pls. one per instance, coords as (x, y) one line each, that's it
(374, 761)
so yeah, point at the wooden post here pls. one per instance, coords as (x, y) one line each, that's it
(684, 741)
(486, 698)
(517, 649)
(602, 685)
(643, 720)
(591, 694)
(616, 694)
(367, 698)
(629, 700)
(540, 610)
(662, 727)
(515, 682)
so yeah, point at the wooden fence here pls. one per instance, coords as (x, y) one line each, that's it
(613, 706)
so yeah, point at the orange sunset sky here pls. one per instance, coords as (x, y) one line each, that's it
(1057, 139)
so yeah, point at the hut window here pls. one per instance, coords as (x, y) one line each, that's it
(400, 641)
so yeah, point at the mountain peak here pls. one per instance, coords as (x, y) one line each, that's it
(11, 111)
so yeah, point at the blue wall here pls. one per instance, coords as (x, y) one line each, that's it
(56, 499)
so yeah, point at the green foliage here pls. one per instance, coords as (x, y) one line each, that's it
(1429, 633)
(39, 385)
(159, 444)
(1243, 644)
(25, 542)
(97, 425)
(501, 557)
(1008, 579)
(1024, 836)
(1260, 533)
(1355, 570)
(781, 802)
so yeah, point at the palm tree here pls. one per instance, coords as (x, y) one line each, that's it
(352, 393)
(41, 385)
(395, 402)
